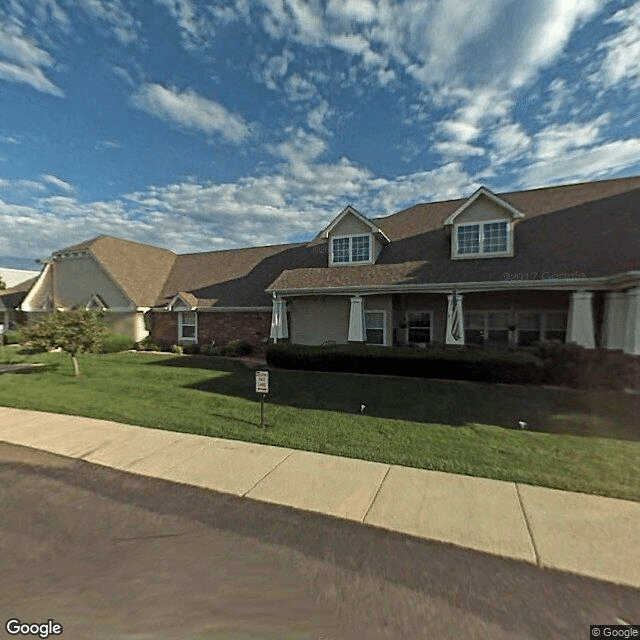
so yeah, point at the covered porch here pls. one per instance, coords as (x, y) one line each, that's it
(506, 318)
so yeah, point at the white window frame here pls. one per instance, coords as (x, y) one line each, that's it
(384, 325)
(181, 324)
(351, 261)
(407, 328)
(481, 253)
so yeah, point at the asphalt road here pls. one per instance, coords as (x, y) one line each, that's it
(113, 556)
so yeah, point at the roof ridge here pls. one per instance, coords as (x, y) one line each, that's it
(262, 246)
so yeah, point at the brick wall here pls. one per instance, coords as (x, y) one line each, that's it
(252, 326)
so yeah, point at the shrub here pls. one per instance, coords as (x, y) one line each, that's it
(452, 364)
(212, 350)
(116, 342)
(177, 349)
(238, 348)
(191, 349)
(13, 337)
(590, 369)
(147, 344)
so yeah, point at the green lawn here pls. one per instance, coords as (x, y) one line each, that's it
(581, 441)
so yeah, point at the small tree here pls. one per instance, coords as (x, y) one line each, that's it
(72, 331)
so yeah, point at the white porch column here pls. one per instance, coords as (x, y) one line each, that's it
(615, 312)
(279, 328)
(357, 331)
(580, 328)
(455, 320)
(632, 324)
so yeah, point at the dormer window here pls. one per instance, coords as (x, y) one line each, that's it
(489, 237)
(349, 249)
(483, 227)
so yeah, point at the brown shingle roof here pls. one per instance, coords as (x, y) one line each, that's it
(140, 269)
(596, 238)
(419, 251)
(237, 277)
(13, 296)
(535, 202)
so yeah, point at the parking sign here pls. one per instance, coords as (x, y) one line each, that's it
(262, 382)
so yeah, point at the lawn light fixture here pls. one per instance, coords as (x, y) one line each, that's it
(522, 424)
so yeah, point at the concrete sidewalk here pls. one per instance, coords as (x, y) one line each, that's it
(584, 534)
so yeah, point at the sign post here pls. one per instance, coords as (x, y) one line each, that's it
(262, 386)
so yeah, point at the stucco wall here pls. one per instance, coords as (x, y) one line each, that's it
(41, 290)
(319, 318)
(76, 279)
(130, 324)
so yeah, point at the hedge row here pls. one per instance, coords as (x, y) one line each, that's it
(452, 364)
(234, 348)
(551, 363)
(590, 369)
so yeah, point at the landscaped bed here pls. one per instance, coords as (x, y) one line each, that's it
(575, 440)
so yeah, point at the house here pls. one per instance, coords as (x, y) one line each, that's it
(205, 297)
(14, 277)
(10, 300)
(557, 263)
(118, 277)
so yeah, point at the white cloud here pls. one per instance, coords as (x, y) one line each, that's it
(317, 116)
(472, 58)
(622, 51)
(555, 140)
(107, 144)
(300, 146)
(559, 94)
(509, 142)
(198, 26)
(276, 68)
(349, 11)
(298, 89)
(190, 110)
(295, 201)
(57, 182)
(453, 149)
(460, 131)
(21, 59)
(22, 50)
(584, 163)
(116, 18)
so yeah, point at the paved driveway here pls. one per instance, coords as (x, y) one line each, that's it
(114, 556)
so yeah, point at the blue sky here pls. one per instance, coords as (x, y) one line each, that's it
(212, 125)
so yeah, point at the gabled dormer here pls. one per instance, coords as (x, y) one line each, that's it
(183, 301)
(483, 227)
(353, 239)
